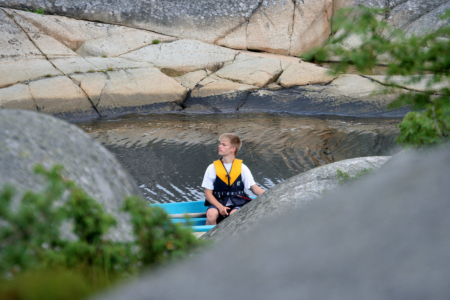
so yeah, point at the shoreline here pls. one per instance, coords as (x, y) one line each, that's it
(261, 101)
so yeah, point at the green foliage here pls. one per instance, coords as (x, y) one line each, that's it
(48, 284)
(156, 42)
(420, 59)
(344, 177)
(158, 238)
(31, 244)
(39, 11)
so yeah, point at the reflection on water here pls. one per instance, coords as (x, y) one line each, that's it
(167, 154)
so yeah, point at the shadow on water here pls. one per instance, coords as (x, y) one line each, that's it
(167, 154)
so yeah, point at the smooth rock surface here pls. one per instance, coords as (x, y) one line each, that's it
(136, 90)
(89, 38)
(270, 27)
(277, 26)
(214, 85)
(191, 79)
(74, 65)
(258, 71)
(312, 25)
(252, 24)
(92, 84)
(290, 194)
(59, 96)
(302, 74)
(30, 138)
(18, 97)
(385, 237)
(179, 57)
(16, 71)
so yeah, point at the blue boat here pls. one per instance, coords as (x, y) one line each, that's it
(196, 210)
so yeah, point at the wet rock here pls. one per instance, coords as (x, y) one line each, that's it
(30, 138)
(386, 236)
(214, 94)
(348, 95)
(292, 193)
(223, 103)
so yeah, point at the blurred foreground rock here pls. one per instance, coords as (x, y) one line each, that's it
(385, 237)
(294, 192)
(30, 138)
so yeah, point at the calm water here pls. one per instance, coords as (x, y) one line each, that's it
(167, 154)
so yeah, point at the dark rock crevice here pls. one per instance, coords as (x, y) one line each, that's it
(392, 85)
(108, 78)
(32, 97)
(89, 98)
(244, 101)
(291, 29)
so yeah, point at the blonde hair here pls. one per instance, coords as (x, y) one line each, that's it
(234, 140)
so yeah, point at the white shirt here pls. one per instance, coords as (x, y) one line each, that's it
(210, 176)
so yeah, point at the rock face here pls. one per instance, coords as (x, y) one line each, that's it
(30, 138)
(277, 26)
(347, 95)
(384, 237)
(79, 69)
(265, 25)
(70, 68)
(294, 192)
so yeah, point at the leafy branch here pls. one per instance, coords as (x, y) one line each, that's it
(418, 59)
(30, 236)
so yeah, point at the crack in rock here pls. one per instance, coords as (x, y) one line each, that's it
(87, 96)
(32, 97)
